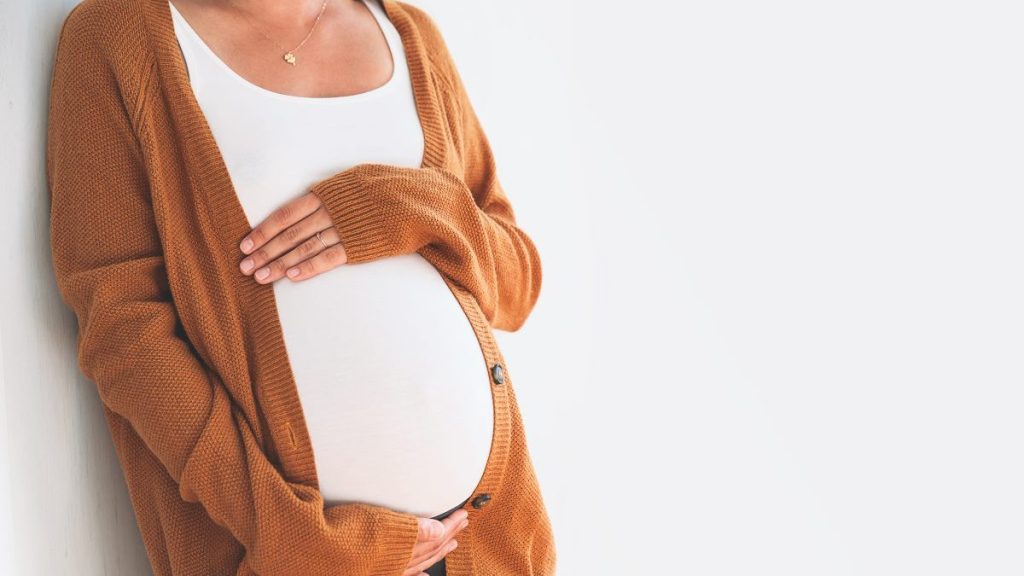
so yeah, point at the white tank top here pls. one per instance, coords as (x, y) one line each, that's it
(391, 377)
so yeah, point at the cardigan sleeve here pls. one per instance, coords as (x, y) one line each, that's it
(110, 270)
(461, 222)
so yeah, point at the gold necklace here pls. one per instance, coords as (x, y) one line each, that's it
(289, 55)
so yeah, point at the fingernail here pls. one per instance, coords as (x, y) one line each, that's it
(452, 545)
(246, 245)
(293, 272)
(247, 265)
(262, 273)
(464, 523)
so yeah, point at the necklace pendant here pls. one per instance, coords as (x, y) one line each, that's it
(289, 58)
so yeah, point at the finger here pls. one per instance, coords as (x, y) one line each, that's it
(292, 261)
(282, 217)
(260, 258)
(266, 264)
(326, 259)
(430, 529)
(448, 524)
(425, 549)
(453, 524)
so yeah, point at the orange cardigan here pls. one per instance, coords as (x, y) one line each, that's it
(187, 352)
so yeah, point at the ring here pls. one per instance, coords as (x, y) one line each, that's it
(321, 239)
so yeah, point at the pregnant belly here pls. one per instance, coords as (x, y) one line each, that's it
(393, 384)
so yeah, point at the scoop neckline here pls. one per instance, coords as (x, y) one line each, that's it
(257, 89)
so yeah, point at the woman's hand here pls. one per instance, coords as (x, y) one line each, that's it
(286, 244)
(432, 546)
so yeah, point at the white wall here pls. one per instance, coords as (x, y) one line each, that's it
(781, 325)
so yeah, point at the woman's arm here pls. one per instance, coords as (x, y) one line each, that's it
(110, 270)
(462, 223)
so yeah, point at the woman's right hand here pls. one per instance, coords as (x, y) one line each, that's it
(436, 539)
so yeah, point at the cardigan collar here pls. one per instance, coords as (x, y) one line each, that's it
(210, 180)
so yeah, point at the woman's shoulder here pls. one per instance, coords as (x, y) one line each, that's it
(102, 63)
(105, 41)
(113, 29)
(103, 20)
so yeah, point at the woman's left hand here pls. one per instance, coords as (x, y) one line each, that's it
(285, 244)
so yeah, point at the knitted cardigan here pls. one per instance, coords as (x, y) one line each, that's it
(187, 352)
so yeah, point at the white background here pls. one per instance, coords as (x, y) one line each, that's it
(782, 321)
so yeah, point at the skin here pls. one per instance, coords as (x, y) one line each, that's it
(431, 547)
(285, 243)
(346, 54)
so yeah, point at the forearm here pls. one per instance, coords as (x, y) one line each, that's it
(382, 210)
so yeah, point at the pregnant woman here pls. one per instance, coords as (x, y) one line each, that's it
(280, 227)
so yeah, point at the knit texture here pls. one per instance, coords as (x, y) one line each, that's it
(187, 353)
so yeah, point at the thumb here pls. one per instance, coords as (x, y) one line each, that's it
(431, 529)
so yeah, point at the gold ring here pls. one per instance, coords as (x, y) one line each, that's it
(321, 239)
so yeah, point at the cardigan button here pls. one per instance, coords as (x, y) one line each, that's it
(481, 500)
(498, 374)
